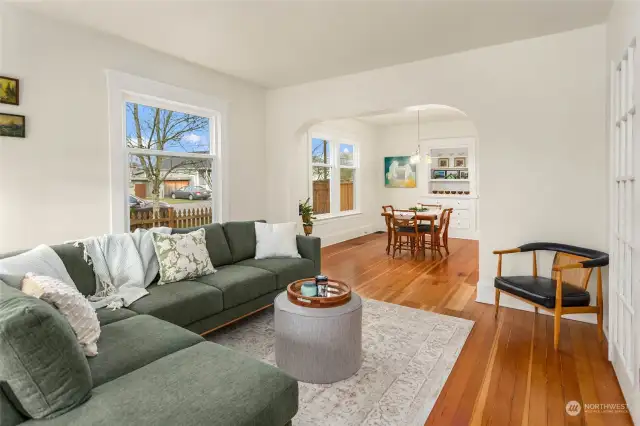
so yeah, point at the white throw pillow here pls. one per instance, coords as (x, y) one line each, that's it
(276, 240)
(71, 303)
(182, 256)
(41, 260)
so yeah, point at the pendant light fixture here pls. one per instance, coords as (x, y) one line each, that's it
(415, 157)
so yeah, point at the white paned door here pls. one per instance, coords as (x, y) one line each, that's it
(624, 267)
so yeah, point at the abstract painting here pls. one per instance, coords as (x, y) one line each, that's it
(399, 172)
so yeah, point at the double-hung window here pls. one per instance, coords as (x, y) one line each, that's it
(171, 164)
(334, 176)
(166, 152)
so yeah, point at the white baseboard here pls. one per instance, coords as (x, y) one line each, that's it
(486, 294)
(464, 234)
(338, 237)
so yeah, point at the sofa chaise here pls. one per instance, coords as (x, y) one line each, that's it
(154, 366)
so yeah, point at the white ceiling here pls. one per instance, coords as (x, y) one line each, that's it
(428, 113)
(277, 43)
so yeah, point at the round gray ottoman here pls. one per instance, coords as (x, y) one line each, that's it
(318, 345)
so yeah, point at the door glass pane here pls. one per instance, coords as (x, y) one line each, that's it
(347, 189)
(171, 191)
(320, 151)
(164, 130)
(321, 177)
(346, 155)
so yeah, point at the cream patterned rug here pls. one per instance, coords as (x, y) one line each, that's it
(408, 355)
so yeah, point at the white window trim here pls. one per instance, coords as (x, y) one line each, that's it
(122, 87)
(334, 165)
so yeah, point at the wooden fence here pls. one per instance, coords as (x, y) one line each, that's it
(322, 196)
(184, 218)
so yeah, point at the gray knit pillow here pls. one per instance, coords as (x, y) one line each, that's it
(71, 303)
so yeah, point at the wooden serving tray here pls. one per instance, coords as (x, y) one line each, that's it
(341, 294)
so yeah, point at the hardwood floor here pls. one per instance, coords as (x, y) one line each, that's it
(507, 372)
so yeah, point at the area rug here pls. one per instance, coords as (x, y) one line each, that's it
(407, 357)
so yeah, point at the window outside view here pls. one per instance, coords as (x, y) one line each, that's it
(321, 175)
(168, 190)
(324, 167)
(347, 178)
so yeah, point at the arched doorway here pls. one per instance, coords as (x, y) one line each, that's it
(433, 131)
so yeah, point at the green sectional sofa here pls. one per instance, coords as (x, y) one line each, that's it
(154, 367)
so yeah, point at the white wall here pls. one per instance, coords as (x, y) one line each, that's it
(401, 139)
(55, 183)
(622, 26)
(538, 106)
(334, 230)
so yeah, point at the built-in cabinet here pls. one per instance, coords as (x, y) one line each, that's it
(450, 180)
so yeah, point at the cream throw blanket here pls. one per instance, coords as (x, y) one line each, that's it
(124, 264)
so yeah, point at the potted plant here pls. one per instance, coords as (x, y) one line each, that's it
(306, 211)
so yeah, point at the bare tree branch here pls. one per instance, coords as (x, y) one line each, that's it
(161, 129)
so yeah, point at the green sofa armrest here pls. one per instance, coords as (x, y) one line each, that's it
(309, 248)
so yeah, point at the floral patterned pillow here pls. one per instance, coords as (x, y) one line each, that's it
(182, 256)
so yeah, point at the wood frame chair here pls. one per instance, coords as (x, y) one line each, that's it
(388, 222)
(406, 224)
(441, 235)
(565, 292)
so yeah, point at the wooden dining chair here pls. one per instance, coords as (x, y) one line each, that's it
(389, 222)
(441, 235)
(406, 224)
(565, 292)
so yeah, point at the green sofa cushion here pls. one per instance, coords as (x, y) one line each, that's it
(240, 284)
(9, 414)
(135, 342)
(206, 325)
(73, 258)
(310, 248)
(287, 270)
(41, 361)
(180, 303)
(242, 239)
(219, 251)
(80, 271)
(206, 384)
(107, 316)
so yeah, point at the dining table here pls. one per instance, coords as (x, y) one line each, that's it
(430, 215)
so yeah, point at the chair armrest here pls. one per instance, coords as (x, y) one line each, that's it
(309, 248)
(568, 266)
(513, 250)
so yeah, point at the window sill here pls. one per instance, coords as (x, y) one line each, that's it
(331, 217)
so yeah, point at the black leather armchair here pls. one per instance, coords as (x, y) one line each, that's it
(565, 292)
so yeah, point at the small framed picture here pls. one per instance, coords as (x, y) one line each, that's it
(443, 162)
(453, 174)
(12, 126)
(464, 174)
(460, 162)
(439, 174)
(9, 91)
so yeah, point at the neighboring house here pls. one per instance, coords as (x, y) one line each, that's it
(177, 178)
